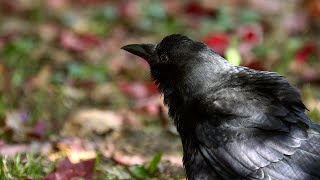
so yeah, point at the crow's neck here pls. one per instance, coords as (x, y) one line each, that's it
(185, 118)
(181, 111)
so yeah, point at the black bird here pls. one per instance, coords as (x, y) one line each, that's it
(234, 122)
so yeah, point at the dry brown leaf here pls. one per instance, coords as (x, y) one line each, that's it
(86, 122)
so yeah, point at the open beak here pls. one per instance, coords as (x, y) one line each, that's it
(146, 51)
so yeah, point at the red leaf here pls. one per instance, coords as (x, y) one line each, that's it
(172, 7)
(70, 41)
(9, 6)
(39, 130)
(152, 88)
(137, 90)
(85, 84)
(77, 42)
(305, 52)
(89, 40)
(251, 34)
(218, 42)
(150, 106)
(68, 170)
(64, 175)
(88, 2)
(255, 65)
(196, 9)
(128, 9)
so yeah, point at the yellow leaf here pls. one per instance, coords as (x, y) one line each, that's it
(233, 56)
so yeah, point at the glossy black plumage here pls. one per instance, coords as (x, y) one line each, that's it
(234, 122)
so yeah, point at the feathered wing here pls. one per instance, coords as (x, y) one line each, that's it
(256, 128)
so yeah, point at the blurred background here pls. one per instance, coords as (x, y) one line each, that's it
(73, 104)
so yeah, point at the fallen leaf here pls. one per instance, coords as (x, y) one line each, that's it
(127, 160)
(55, 5)
(251, 34)
(195, 8)
(266, 7)
(77, 42)
(39, 129)
(137, 90)
(128, 9)
(67, 170)
(9, 6)
(255, 65)
(172, 7)
(150, 106)
(16, 121)
(295, 23)
(313, 7)
(176, 160)
(75, 149)
(41, 80)
(304, 53)
(83, 123)
(233, 56)
(217, 42)
(12, 149)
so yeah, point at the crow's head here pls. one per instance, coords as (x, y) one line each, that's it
(174, 49)
(176, 59)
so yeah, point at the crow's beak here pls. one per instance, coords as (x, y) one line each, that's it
(146, 51)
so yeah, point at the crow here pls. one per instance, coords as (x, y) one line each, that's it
(234, 122)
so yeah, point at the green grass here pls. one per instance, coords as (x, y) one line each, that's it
(25, 167)
(29, 166)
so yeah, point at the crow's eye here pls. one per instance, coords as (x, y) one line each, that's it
(164, 58)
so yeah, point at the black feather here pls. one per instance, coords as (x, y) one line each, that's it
(234, 122)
